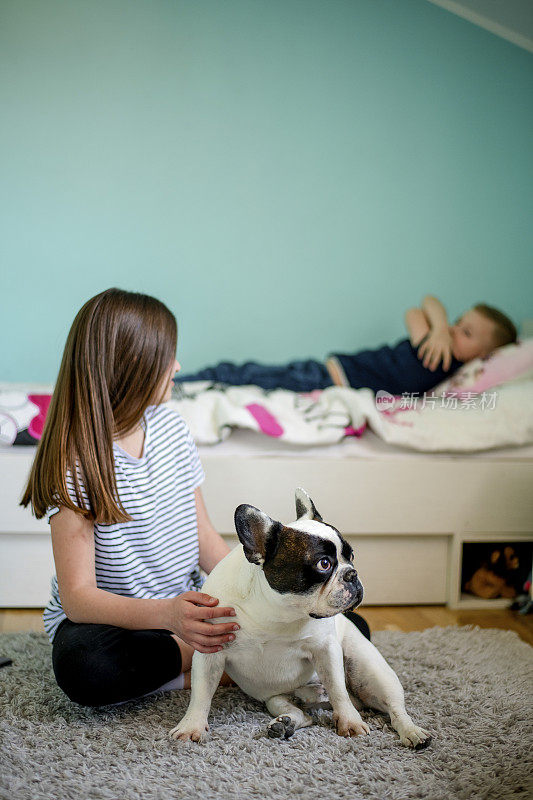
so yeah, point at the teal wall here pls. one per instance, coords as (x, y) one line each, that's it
(287, 175)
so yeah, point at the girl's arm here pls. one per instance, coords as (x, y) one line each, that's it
(83, 601)
(213, 548)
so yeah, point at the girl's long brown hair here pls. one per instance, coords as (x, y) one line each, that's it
(120, 347)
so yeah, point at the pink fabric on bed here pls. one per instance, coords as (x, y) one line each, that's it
(505, 364)
(42, 401)
(350, 431)
(267, 423)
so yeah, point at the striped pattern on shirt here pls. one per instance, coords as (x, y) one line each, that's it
(156, 554)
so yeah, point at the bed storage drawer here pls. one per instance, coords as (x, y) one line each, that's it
(26, 567)
(401, 569)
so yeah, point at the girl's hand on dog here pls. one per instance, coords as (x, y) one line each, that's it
(188, 614)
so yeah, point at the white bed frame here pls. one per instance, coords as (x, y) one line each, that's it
(406, 514)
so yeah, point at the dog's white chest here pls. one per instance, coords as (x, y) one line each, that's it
(263, 668)
(265, 659)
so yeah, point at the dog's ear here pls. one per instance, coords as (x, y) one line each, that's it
(257, 532)
(305, 508)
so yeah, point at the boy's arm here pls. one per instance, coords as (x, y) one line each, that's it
(437, 346)
(435, 313)
(417, 325)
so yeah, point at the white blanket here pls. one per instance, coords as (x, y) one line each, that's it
(465, 423)
(462, 424)
(212, 411)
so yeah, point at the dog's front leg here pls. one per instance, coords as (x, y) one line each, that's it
(206, 672)
(329, 663)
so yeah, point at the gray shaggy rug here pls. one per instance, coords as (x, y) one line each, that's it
(471, 688)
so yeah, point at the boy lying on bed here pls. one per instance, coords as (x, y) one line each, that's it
(433, 352)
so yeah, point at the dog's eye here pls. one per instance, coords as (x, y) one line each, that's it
(324, 565)
(351, 556)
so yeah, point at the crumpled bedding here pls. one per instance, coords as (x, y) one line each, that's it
(212, 411)
(22, 413)
(463, 422)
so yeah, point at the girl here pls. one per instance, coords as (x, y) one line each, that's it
(118, 476)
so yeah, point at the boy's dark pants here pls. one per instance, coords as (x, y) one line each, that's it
(298, 376)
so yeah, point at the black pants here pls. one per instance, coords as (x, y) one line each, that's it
(97, 665)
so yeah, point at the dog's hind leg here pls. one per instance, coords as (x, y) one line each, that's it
(370, 678)
(287, 717)
(383, 691)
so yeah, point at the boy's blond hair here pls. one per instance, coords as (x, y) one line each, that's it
(504, 329)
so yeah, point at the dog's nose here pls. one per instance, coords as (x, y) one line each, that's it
(350, 576)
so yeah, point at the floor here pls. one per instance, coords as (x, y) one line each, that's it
(396, 618)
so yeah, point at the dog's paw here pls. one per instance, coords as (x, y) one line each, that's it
(281, 727)
(189, 729)
(415, 737)
(350, 726)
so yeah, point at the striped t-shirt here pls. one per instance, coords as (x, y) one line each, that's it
(156, 554)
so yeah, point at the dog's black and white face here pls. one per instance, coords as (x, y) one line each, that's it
(307, 561)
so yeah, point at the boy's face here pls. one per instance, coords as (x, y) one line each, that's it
(472, 336)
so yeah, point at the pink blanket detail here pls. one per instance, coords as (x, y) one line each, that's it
(42, 401)
(267, 423)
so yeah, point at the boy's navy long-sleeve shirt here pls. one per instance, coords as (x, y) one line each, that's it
(394, 369)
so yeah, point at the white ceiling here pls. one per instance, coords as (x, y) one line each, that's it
(510, 19)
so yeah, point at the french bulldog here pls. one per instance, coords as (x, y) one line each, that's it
(289, 585)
